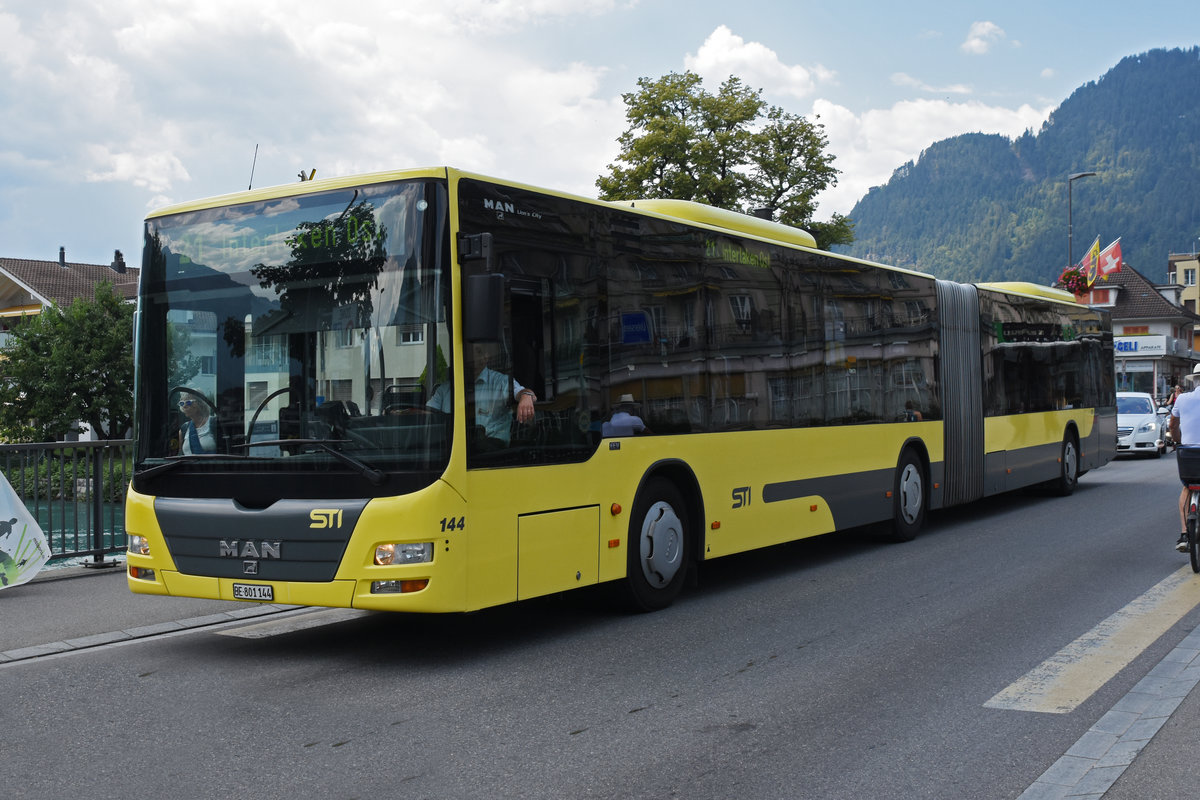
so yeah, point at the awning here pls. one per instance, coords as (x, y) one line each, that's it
(17, 311)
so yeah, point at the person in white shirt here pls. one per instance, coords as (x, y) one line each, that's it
(491, 395)
(1185, 430)
(624, 422)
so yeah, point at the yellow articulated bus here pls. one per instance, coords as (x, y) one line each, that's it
(433, 391)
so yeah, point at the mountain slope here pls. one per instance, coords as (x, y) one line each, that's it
(982, 207)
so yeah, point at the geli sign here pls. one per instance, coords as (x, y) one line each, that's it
(1141, 345)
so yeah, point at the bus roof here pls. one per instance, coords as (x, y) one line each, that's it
(723, 218)
(685, 210)
(293, 189)
(1027, 289)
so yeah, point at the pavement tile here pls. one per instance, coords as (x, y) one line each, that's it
(37, 650)
(1115, 722)
(1067, 770)
(1098, 781)
(1122, 753)
(1144, 729)
(151, 630)
(98, 639)
(1093, 744)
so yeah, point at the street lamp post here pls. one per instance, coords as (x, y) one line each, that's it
(1071, 179)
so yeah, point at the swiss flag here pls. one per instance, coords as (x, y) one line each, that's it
(1110, 259)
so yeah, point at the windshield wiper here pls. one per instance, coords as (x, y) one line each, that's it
(374, 476)
(174, 461)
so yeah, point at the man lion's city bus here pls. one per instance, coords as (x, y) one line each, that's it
(391, 392)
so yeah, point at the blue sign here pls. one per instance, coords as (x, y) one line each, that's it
(635, 328)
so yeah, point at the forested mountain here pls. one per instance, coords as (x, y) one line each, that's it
(983, 207)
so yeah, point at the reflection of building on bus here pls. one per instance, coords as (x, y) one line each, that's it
(782, 392)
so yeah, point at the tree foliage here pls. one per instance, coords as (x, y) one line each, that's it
(66, 366)
(729, 150)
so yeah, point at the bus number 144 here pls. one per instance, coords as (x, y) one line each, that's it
(452, 524)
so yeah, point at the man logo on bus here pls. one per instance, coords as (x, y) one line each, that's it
(233, 548)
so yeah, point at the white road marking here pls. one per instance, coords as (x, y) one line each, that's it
(1060, 683)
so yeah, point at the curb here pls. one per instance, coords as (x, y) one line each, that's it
(109, 567)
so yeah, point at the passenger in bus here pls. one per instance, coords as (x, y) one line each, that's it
(910, 412)
(197, 434)
(624, 422)
(492, 394)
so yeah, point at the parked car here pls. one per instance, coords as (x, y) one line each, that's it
(1141, 427)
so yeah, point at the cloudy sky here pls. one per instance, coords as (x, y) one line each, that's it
(110, 108)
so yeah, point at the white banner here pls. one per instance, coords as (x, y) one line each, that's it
(23, 548)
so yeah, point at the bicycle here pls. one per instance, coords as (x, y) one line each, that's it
(1188, 459)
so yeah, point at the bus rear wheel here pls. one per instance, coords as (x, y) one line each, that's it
(658, 547)
(908, 498)
(1068, 467)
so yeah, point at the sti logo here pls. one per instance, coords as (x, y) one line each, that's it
(325, 518)
(741, 496)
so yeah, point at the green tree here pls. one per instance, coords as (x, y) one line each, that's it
(63, 367)
(729, 150)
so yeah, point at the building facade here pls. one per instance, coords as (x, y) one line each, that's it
(1153, 328)
(29, 285)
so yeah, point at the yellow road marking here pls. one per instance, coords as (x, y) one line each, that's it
(1060, 683)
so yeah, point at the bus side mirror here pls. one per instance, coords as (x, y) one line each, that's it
(483, 307)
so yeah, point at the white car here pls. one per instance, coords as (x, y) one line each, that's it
(1141, 428)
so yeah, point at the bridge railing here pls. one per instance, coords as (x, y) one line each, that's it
(75, 491)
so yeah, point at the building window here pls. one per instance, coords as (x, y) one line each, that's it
(410, 334)
(741, 307)
(1135, 330)
(1189, 276)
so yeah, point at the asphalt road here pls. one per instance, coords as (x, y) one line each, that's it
(841, 667)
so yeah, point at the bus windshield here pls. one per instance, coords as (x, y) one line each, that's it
(301, 334)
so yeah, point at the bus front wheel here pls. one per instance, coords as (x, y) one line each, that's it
(658, 549)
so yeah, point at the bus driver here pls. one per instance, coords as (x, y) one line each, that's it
(491, 393)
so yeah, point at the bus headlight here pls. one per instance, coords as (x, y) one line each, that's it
(138, 545)
(404, 553)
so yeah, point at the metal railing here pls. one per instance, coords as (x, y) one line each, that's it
(75, 491)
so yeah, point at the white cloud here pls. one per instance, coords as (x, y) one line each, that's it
(382, 88)
(903, 79)
(505, 15)
(144, 167)
(870, 146)
(724, 53)
(981, 36)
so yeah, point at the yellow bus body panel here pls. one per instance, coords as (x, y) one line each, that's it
(1018, 431)
(574, 531)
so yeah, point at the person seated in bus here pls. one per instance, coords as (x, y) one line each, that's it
(910, 412)
(492, 394)
(198, 432)
(623, 421)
